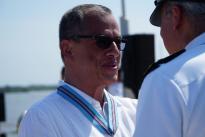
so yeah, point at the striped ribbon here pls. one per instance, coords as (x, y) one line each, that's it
(104, 126)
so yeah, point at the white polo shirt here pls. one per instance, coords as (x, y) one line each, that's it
(55, 116)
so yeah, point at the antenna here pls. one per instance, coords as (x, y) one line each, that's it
(123, 8)
(123, 20)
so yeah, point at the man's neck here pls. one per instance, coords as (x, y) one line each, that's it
(91, 90)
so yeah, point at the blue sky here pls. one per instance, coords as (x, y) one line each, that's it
(29, 36)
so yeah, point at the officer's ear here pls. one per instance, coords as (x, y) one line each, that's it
(177, 16)
(66, 48)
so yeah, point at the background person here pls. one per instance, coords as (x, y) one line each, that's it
(116, 88)
(81, 107)
(172, 96)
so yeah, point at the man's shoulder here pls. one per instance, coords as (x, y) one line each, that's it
(163, 63)
(127, 102)
(45, 103)
(183, 70)
(127, 106)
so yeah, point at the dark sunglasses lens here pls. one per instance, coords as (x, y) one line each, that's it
(120, 43)
(117, 42)
(104, 42)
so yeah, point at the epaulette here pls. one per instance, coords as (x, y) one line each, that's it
(162, 61)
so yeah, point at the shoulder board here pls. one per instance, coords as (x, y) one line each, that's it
(162, 61)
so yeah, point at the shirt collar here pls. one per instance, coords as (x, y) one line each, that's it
(199, 40)
(89, 99)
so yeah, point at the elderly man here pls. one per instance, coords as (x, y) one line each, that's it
(172, 96)
(90, 44)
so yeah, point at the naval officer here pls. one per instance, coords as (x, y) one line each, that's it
(172, 96)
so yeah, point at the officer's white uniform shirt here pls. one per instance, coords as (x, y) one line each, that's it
(56, 117)
(172, 97)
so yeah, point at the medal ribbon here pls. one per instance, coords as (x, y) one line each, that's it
(89, 111)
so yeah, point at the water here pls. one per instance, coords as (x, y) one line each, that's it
(15, 105)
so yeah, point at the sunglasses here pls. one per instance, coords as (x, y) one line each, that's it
(102, 41)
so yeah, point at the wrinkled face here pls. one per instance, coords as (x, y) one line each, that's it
(97, 65)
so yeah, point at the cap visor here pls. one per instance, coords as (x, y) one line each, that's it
(155, 18)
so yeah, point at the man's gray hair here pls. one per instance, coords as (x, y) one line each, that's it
(194, 12)
(192, 9)
(72, 22)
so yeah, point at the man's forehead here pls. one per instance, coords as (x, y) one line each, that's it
(96, 22)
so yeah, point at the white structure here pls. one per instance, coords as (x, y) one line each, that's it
(123, 20)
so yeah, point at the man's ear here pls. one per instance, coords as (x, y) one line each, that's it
(66, 48)
(177, 17)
